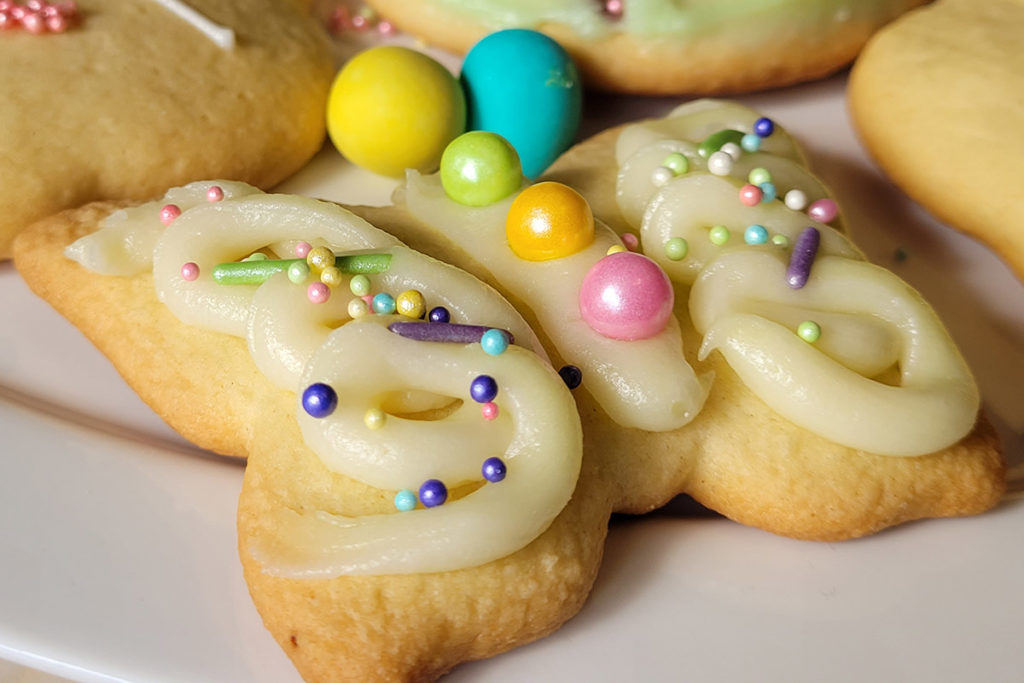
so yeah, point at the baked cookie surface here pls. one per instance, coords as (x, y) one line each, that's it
(133, 99)
(951, 73)
(662, 47)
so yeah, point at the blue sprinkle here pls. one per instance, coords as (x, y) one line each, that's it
(764, 127)
(755, 234)
(433, 492)
(483, 389)
(494, 342)
(383, 303)
(750, 142)
(494, 470)
(439, 314)
(319, 400)
(768, 192)
(405, 500)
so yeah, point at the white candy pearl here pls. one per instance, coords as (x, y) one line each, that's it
(661, 175)
(796, 200)
(720, 163)
(733, 150)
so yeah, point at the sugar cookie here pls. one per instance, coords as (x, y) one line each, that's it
(133, 98)
(661, 47)
(938, 98)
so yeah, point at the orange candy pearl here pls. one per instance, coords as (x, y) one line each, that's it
(548, 221)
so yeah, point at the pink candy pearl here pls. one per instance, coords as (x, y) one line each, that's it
(34, 22)
(190, 271)
(626, 296)
(302, 249)
(823, 210)
(169, 213)
(489, 410)
(630, 241)
(215, 194)
(318, 292)
(751, 195)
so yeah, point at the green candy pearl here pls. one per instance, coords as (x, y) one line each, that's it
(359, 285)
(809, 331)
(677, 163)
(780, 240)
(719, 235)
(759, 175)
(676, 249)
(298, 271)
(480, 168)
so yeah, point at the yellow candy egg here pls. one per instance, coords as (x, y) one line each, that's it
(391, 108)
(547, 221)
(410, 303)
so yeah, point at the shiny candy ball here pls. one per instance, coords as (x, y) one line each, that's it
(302, 249)
(359, 285)
(480, 168)
(764, 127)
(494, 342)
(494, 470)
(626, 296)
(214, 194)
(405, 500)
(677, 163)
(720, 163)
(676, 248)
(318, 292)
(391, 108)
(719, 235)
(489, 410)
(796, 200)
(547, 221)
(319, 258)
(751, 142)
(168, 213)
(433, 492)
(523, 86)
(383, 303)
(410, 303)
(755, 234)
(571, 375)
(331, 276)
(439, 314)
(374, 418)
(768, 192)
(357, 308)
(823, 210)
(809, 331)
(759, 175)
(298, 272)
(190, 271)
(483, 389)
(319, 400)
(750, 195)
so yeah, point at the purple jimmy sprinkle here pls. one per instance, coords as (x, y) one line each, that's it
(802, 258)
(442, 332)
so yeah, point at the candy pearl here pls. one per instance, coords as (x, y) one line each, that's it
(719, 235)
(676, 248)
(759, 175)
(613, 8)
(6, 20)
(319, 258)
(809, 331)
(677, 163)
(764, 127)
(768, 192)
(479, 168)
(359, 285)
(169, 213)
(796, 200)
(405, 500)
(357, 308)
(489, 410)
(571, 375)
(494, 470)
(720, 163)
(494, 342)
(750, 142)
(410, 303)
(549, 220)
(34, 22)
(615, 249)
(56, 23)
(439, 314)
(385, 28)
(374, 418)
(755, 234)
(302, 249)
(331, 276)
(433, 492)
(780, 240)
(318, 292)
(383, 303)
(750, 195)
(626, 296)
(215, 194)
(823, 210)
(319, 400)
(631, 241)
(661, 175)
(733, 150)
(190, 271)
(298, 272)
(483, 388)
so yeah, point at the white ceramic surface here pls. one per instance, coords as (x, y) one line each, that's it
(117, 541)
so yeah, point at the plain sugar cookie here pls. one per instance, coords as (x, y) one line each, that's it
(938, 98)
(132, 99)
(659, 47)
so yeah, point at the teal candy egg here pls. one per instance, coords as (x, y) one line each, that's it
(523, 86)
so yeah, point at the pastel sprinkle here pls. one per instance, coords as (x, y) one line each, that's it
(298, 272)
(214, 194)
(676, 248)
(720, 163)
(439, 314)
(661, 175)
(405, 500)
(802, 258)
(768, 192)
(359, 285)
(630, 240)
(764, 127)
(755, 234)
(374, 418)
(733, 150)
(750, 195)
(190, 271)
(331, 276)
(489, 410)
(319, 400)
(483, 388)
(750, 142)
(759, 175)
(615, 249)
(318, 292)
(444, 332)
(796, 200)
(494, 342)
(677, 163)
(823, 210)
(357, 308)
(780, 240)
(433, 492)
(809, 331)
(319, 258)
(256, 272)
(719, 235)
(493, 470)
(383, 303)
(168, 213)
(302, 249)
(410, 303)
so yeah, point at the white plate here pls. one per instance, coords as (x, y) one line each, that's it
(118, 545)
